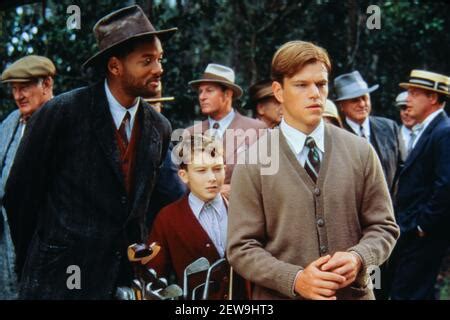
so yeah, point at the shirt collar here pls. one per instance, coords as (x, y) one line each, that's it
(117, 110)
(296, 138)
(422, 126)
(197, 204)
(224, 122)
(355, 126)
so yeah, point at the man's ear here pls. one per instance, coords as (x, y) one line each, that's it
(183, 175)
(47, 85)
(260, 109)
(229, 94)
(277, 89)
(115, 66)
(434, 98)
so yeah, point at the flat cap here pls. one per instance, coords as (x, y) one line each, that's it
(28, 68)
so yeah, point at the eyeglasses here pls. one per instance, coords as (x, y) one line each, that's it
(403, 107)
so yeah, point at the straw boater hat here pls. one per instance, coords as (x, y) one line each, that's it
(29, 68)
(351, 85)
(122, 25)
(223, 75)
(429, 81)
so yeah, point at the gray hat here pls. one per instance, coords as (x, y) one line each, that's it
(401, 99)
(220, 74)
(351, 85)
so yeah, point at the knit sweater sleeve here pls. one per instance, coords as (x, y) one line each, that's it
(378, 226)
(247, 235)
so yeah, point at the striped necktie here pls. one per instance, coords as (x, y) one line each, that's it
(124, 129)
(312, 163)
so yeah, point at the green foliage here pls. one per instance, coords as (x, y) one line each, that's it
(244, 35)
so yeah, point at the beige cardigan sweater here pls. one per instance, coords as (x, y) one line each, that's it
(278, 224)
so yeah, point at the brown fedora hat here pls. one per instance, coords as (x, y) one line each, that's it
(122, 25)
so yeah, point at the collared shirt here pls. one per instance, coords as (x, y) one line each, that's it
(118, 111)
(224, 123)
(406, 134)
(213, 218)
(296, 140)
(356, 127)
(421, 127)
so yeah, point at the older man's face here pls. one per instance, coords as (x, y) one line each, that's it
(356, 109)
(29, 96)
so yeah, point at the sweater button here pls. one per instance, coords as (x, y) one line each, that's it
(123, 199)
(208, 245)
(320, 222)
(317, 192)
(323, 249)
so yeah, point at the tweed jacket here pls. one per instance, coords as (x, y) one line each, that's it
(66, 198)
(280, 223)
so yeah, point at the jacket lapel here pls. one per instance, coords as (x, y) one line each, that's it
(423, 140)
(377, 137)
(104, 129)
(148, 151)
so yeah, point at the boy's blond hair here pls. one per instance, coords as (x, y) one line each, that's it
(192, 144)
(293, 56)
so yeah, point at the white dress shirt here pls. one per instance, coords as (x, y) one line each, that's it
(213, 218)
(356, 127)
(118, 111)
(421, 127)
(224, 123)
(296, 140)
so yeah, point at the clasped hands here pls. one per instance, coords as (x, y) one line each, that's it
(323, 277)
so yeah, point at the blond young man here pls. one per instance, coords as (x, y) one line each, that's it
(312, 229)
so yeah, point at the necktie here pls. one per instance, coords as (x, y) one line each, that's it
(412, 137)
(124, 129)
(312, 163)
(361, 130)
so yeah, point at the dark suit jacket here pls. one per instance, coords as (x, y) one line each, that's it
(423, 196)
(386, 139)
(66, 199)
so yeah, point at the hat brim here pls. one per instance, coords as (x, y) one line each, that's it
(19, 80)
(358, 93)
(406, 85)
(237, 91)
(163, 35)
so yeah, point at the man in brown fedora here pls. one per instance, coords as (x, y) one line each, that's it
(216, 92)
(423, 203)
(267, 108)
(76, 207)
(31, 83)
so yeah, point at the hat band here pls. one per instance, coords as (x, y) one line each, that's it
(435, 85)
(354, 86)
(212, 76)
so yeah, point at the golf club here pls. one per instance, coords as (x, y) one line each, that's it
(199, 265)
(208, 276)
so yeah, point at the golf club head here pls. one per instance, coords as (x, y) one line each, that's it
(150, 294)
(199, 265)
(138, 289)
(171, 292)
(208, 276)
(142, 253)
(124, 293)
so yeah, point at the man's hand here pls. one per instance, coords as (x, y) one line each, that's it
(312, 283)
(346, 264)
